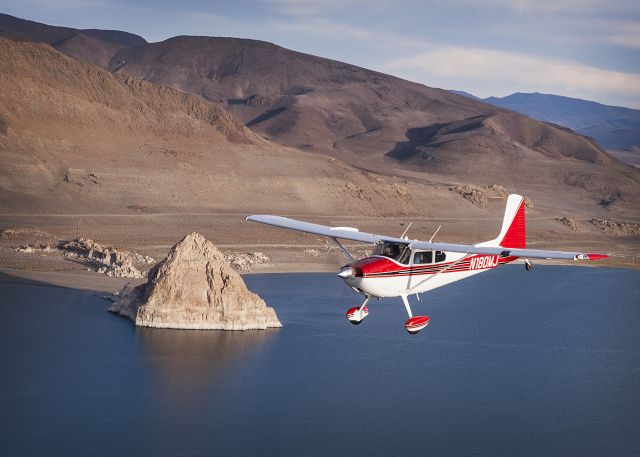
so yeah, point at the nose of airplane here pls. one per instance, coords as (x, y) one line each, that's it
(346, 272)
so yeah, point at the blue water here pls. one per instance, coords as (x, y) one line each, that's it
(514, 363)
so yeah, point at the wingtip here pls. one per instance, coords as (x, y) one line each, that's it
(591, 256)
(594, 256)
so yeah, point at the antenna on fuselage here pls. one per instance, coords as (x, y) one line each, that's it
(406, 230)
(435, 233)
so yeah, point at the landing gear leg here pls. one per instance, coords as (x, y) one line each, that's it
(413, 324)
(405, 300)
(356, 315)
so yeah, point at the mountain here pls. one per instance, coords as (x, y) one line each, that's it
(464, 94)
(69, 128)
(77, 139)
(367, 119)
(371, 120)
(91, 45)
(88, 152)
(296, 99)
(613, 127)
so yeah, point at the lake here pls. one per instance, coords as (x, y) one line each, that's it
(513, 363)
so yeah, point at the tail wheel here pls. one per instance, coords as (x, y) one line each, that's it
(528, 265)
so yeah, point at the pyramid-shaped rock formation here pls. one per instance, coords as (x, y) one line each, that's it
(195, 288)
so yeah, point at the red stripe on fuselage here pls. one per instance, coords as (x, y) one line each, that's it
(382, 267)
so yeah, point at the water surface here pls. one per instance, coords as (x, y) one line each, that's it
(514, 363)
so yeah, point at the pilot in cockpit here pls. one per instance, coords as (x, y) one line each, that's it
(391, 250)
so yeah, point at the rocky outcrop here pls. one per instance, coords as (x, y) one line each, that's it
(569, 222)
(479, 196)
(612, 228)
(195, 288)
(103, 259)
(244, 262)
(107, 260)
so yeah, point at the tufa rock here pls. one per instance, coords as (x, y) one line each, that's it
(618, 229)
(479, 196)
(108, 260)
(195, 288)
(569, 222)
(124, 269)
(103, 259)
(244, 262)
(475, 194)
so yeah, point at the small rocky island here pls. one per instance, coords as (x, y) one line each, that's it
(195, 288)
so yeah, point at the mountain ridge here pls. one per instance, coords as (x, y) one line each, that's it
(315, 104)
(614, 127)
(95, 46)
(372, 121)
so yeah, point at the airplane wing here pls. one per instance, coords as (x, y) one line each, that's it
(345, 233)
(353, 234)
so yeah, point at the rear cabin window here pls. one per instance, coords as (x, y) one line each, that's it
(440, 256)
(429, 257)
(423, 257)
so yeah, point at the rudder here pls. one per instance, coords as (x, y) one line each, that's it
(514, 232)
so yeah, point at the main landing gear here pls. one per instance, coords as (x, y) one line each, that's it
(356, 315)
(414, 324)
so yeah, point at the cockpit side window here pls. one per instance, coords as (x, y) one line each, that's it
(396, 251)
(405, 256)
(440, 256)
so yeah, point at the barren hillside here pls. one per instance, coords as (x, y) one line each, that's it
(375, 121)
(76, 138)
(367, 119)
(86, 152)
(91, 45)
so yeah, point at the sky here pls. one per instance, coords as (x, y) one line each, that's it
(587, 49)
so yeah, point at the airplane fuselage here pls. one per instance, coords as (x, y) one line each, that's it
(381, 276)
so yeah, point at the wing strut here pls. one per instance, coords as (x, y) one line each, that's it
(435, 233)
(344, 250)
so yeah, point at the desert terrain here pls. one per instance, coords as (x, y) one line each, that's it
(105, 155)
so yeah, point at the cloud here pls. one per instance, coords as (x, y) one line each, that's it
(624, 34)
(319, 26)
(493, 69)
(629, 40)
(311, 7)
(315, 7)
(556, 6)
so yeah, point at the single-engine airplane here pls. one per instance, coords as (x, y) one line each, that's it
(400, 267)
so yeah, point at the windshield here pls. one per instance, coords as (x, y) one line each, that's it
(396, 251)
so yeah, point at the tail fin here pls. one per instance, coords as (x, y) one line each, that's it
(513, 233)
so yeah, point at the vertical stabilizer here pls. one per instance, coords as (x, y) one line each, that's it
(513, 233)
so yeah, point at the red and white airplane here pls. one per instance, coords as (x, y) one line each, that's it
(399, 267)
